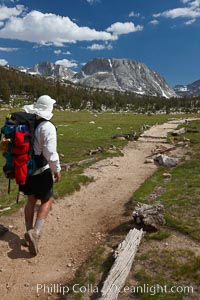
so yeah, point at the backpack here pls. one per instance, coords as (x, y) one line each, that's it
(17, 145)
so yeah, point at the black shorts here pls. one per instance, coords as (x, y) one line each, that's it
(41, 186)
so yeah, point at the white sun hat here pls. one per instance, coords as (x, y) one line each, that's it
(42, 108)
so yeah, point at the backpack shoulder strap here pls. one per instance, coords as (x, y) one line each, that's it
(41, 120)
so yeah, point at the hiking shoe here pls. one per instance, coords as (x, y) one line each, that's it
(32, 238)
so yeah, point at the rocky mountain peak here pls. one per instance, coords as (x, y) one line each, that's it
(192, 89)
(50, 69)
(123, 75)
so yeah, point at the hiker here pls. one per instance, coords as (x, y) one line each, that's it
(39, 186)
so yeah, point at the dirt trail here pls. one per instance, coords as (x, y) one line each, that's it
(77, 223)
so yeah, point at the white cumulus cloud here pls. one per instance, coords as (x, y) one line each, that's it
(3, 62)
(190, 22)
(8, 12)
(11, 1)
(119, 28)
(195, 3)
(67, 53)
(57, 52)
(185, 1)
(191, 11)
(50, 29)
(100, 47)
(154, 22)
(67, 63)
(8, 49)
(184, 12)
(92, 1)
(133, 14)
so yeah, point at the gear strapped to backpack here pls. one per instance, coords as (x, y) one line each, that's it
(17, 145)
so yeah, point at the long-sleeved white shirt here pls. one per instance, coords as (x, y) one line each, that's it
(46, 143)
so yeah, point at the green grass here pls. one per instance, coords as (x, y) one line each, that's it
(181, 194)
(92, 270)
(181, 200)
(159, 235)
(161, 265)
(76, 136)
(163, 268)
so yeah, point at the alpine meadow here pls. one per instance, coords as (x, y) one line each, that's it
(99, 150)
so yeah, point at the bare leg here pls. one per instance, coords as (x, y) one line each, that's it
(33, 235)
(44, 209)
(42, 214)
(29, 211)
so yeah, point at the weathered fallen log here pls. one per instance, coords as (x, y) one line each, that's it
(67, 166)
(149, 216)
(124, 257)
(5, 209)
(153, 137)
(162, 151)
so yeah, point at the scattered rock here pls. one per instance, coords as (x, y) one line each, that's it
(119, 138)
(181, 143)
(110, 151)
(69, 265)
(96, 151)
(179, 131)
(26, 284)
(128, 136)
(167, 161)
(167, 175)
(112, 147)
(148, 161)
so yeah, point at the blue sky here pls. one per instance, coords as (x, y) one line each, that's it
(163, 34)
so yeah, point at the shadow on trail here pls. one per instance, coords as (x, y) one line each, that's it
(122, 228)
(15, 245)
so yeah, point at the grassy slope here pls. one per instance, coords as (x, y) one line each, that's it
(75, 137)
